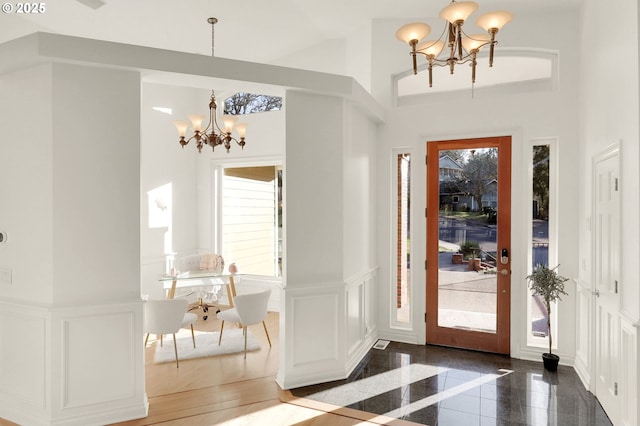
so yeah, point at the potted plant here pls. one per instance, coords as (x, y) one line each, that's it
(549, 285)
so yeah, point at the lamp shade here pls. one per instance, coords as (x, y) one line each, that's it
(196, 122)
(458, 11)
(413, 31)
(229, 121)
(475, 42)
(494, 20)
(431, 47)
(242, 129)
(181, 126)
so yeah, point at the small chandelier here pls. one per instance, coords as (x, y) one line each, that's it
(213, 139)
(462, 48)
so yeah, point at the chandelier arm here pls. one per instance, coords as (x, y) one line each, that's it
(493, 42)
(473, 66)
(459, 37)
(468, 58)
(413, 52)
(440, 63)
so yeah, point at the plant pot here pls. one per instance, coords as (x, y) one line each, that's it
(550, 361)
(474, 264)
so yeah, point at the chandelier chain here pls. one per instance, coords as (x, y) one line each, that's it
(213, 39)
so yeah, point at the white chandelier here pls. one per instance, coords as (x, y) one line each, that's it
(217, 135)
(461, 47)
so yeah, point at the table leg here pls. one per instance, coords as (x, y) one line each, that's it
(172, 290)
(231, 290)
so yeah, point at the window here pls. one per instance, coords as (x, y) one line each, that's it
(252, 219)
(402, 293)
(542, 239)
(248, 103)
(519, 70)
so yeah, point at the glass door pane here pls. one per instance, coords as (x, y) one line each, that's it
(467, 234)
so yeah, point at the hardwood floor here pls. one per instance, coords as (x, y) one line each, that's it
(227, 389)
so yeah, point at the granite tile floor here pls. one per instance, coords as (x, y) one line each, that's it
(444, 386)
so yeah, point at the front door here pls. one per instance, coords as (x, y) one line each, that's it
(469, 243)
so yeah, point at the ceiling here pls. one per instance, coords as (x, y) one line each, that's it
(251, 30)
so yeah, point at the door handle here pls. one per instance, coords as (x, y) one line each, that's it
(596, 293)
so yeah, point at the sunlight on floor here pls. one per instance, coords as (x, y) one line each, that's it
(447, 393)
(351, 393)
(347, 395)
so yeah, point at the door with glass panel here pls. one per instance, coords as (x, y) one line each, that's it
(469, 243)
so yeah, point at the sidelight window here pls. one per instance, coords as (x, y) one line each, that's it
(402, 289)
(542, 239)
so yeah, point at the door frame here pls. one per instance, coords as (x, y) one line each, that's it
(499, 342)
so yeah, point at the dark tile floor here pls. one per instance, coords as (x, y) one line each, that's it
(443, 386)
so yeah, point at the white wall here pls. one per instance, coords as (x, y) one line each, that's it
(26, 200)
(314, 58)
(609, 115)
(326, 323)
(350, 56)
(73, 304)
(314, 189)
(162, 162)
(525, 116)
(359, 194)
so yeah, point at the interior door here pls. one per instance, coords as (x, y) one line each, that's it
(469, 243)
(606, 272)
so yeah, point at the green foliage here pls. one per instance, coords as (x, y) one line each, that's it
(549, 285)
(470, 248)
(541, 176)
(478, 171)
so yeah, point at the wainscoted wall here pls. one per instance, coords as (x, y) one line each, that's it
(361, 316)
(628, 379)
(57, 360)
(23, 382)
(584, 312)
(321, 349)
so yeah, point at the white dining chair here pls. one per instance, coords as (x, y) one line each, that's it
(168, 316)
(248, 309)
